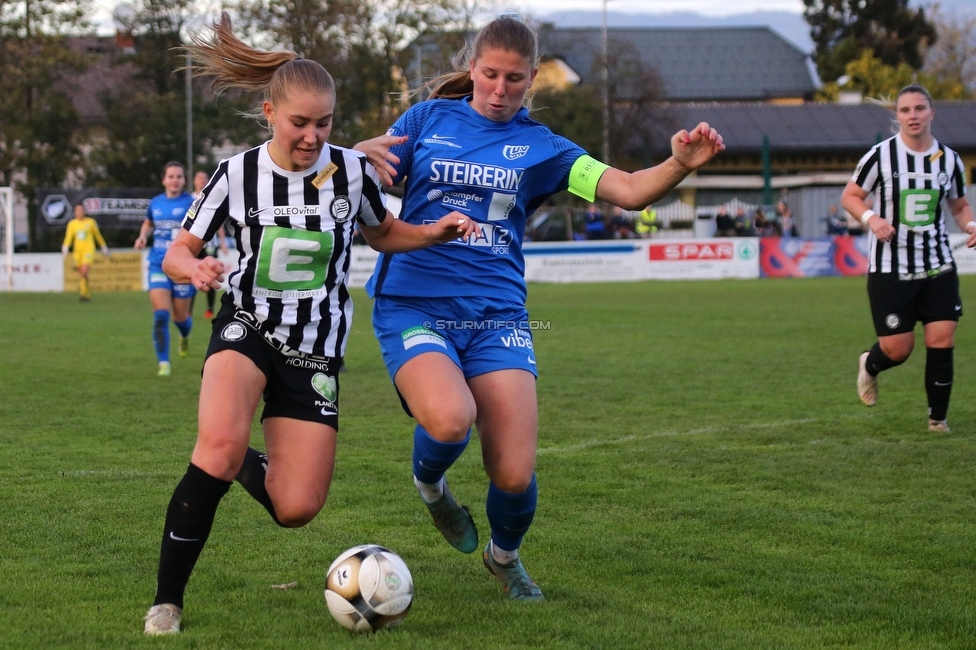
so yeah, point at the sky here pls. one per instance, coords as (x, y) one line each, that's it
(542, 7)
(704, 7)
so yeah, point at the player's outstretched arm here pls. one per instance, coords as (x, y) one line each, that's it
(378, 154)
(395, 236)
(637, 190)
(183, 267)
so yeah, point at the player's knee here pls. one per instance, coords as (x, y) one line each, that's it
(513, 480)
(219, 456)
(898, 353)
(297, 514)
(449, 425)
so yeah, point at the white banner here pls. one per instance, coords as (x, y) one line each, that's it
(644, 259)
(965, 257)
(362, 261)
(35, 272)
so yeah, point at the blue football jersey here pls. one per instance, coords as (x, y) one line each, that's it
(166, 216)
(496, 173)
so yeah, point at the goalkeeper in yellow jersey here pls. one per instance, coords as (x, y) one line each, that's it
(82, 234)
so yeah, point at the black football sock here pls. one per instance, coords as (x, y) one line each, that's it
(252, 475)
(189, 518)
(878, 361)
(938, 381)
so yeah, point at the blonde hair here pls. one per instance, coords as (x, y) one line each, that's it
(506, 32)
(233, 64)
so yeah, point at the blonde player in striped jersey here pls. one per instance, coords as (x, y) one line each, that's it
(285, 317)
(81, 235)
(912, 275)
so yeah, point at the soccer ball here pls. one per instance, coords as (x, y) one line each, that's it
(368, 588)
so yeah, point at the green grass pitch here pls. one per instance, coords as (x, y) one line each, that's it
(708, 479)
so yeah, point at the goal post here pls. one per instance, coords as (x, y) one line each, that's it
(7, 210)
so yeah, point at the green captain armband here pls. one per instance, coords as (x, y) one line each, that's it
(584, 176)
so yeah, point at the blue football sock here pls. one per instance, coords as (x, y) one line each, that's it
(431, 458)
(161, 334)
(510, 515)
(184, 326)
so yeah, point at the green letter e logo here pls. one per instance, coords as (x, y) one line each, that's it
(293, 260)
(918, 207)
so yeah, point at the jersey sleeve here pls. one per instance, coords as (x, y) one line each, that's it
(211, 207)
(957, 188)
(98, 234)
(372, 209)
(69, 234)
(410, 124)
(867, 171)
(566, 157)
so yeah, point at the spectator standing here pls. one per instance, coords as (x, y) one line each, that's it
(784, 217)
(724, 223)
(647, 222)
(595, 227)
(836, 223)
(743, 224)
(764, 227)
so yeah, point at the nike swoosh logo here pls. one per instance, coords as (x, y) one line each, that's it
(958, 307)
(939, 383)
(532, 361)
(182, 539)
(442, 137)
(324, 412)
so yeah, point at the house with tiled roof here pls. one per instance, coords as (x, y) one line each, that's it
(721, 64)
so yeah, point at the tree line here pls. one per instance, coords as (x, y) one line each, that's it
(873, 45)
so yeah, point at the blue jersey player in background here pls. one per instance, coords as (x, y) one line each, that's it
(164, 219)
(451, 319)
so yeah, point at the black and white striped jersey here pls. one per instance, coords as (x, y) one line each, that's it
(293, 232)
(909, 188)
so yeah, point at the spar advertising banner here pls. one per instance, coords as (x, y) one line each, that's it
(642, 259)
(703, 259)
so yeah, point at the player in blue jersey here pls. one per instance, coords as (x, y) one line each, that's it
(451, 320)
(164, 218)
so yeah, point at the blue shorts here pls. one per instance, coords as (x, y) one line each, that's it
(478, 334)
(159, 280)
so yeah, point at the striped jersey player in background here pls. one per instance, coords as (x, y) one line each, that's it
(912, 275)
(285, 318)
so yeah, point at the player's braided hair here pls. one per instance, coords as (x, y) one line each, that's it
(233, 64)
(506, 32)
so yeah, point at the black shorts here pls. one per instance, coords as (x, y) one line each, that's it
(299, 386)
(897, 305)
